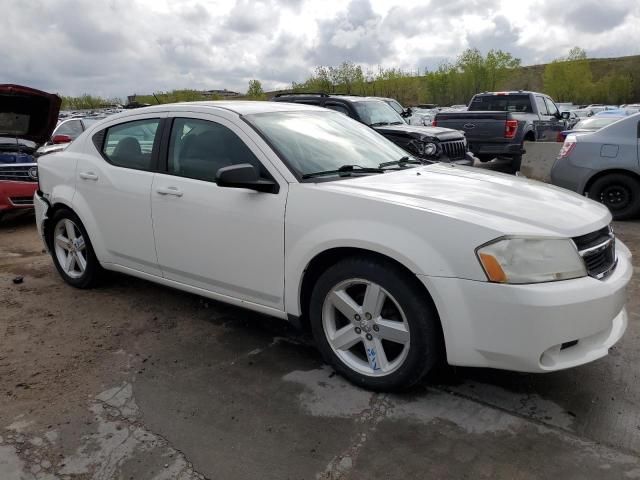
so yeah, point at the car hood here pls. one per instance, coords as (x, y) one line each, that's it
(420, 132)
(27, 114)
(504, 203)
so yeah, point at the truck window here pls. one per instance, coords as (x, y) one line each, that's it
(542, 107)
(551, 107)
(501, 103)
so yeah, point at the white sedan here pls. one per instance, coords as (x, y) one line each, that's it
(304, 214)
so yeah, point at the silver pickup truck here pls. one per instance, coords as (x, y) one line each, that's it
(497, 124)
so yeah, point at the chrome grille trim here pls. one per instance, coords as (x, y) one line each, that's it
(598, 251)
(17, 172)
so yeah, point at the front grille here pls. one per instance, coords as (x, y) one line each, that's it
(19, 201)
(19, 172)
(598, 250)
(455, 150)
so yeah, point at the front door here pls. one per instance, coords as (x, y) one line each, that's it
(225, 240)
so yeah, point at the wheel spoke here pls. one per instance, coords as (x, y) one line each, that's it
(63, 242)
(376, 355)
(374, 298)
(69, 263)
(80, 261)
(345, 338)
(393, 331)
(344, 303)
(70, 228)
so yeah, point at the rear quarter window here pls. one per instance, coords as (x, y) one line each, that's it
(501, 103)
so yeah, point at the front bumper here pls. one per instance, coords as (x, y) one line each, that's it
(532, 328)
(14, 195)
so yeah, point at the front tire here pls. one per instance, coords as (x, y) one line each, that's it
(620, 193)
(71, 250)
(374, 325)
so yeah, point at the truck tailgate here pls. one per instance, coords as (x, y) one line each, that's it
(478, 126)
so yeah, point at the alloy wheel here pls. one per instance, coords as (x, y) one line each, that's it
(366, 327)
(70, 248)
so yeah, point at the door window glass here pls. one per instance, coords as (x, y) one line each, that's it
(542, 107)
(130, 144)
(199, 148)
(551, 107)
(72, 128)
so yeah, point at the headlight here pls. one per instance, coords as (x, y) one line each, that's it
(531, 260)
(430, 148)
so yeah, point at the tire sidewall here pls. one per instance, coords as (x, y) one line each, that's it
(633, 207)
(424, 349)
(89, 277)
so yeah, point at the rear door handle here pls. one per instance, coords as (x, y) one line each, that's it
(175, 191)
(88, 176)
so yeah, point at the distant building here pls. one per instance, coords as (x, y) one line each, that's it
(221, 93)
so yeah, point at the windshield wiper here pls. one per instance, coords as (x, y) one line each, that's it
(344, 169)
(379, 124)
(396, 123)
(402, 162)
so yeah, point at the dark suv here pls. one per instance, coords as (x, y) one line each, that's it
(429, 143)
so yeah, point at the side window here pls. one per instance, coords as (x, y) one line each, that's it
(199, 148)
(130, 144)
(72, 128)
(338, 108)
(542, 107)
(551, 107)
(396, 106)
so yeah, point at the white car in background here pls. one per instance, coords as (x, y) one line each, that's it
(305, 214)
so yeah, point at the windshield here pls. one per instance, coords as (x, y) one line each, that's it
(376, 112)
(314, 141)
(595, 123)
(501, 103)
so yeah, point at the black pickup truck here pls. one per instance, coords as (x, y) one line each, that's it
(497, 124)
(432, 144)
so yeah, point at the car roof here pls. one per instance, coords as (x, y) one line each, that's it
(241, 107)
(334, 97)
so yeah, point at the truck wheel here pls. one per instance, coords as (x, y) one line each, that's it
(620, 193)
(373, 324)
(71, 250)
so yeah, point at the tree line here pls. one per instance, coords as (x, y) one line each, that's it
(566, 79)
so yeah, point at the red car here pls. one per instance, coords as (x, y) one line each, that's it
(27, 118)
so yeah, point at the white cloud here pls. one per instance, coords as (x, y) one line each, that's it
(119, 47)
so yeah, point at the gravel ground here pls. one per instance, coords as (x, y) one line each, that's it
(136, 381)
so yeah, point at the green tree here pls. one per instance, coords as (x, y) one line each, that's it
(570, 79)
(255, 91)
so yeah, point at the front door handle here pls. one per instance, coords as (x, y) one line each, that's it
(175, 191)
(88, 176)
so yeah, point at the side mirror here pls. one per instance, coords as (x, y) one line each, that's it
(61, 139)
(244, 175)
(407, 112)
(565, 115)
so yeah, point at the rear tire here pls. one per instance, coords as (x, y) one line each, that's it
(71, 250)
(374, 325)
(620, 193)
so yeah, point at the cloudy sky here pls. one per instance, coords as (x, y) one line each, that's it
(120, 47)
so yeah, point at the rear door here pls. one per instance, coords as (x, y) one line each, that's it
(113, 190)
(548, 126)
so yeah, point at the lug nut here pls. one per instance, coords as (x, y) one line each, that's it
(358, 331)
(369, 336)
(357, 317)
(376, 328)
(367, 316)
